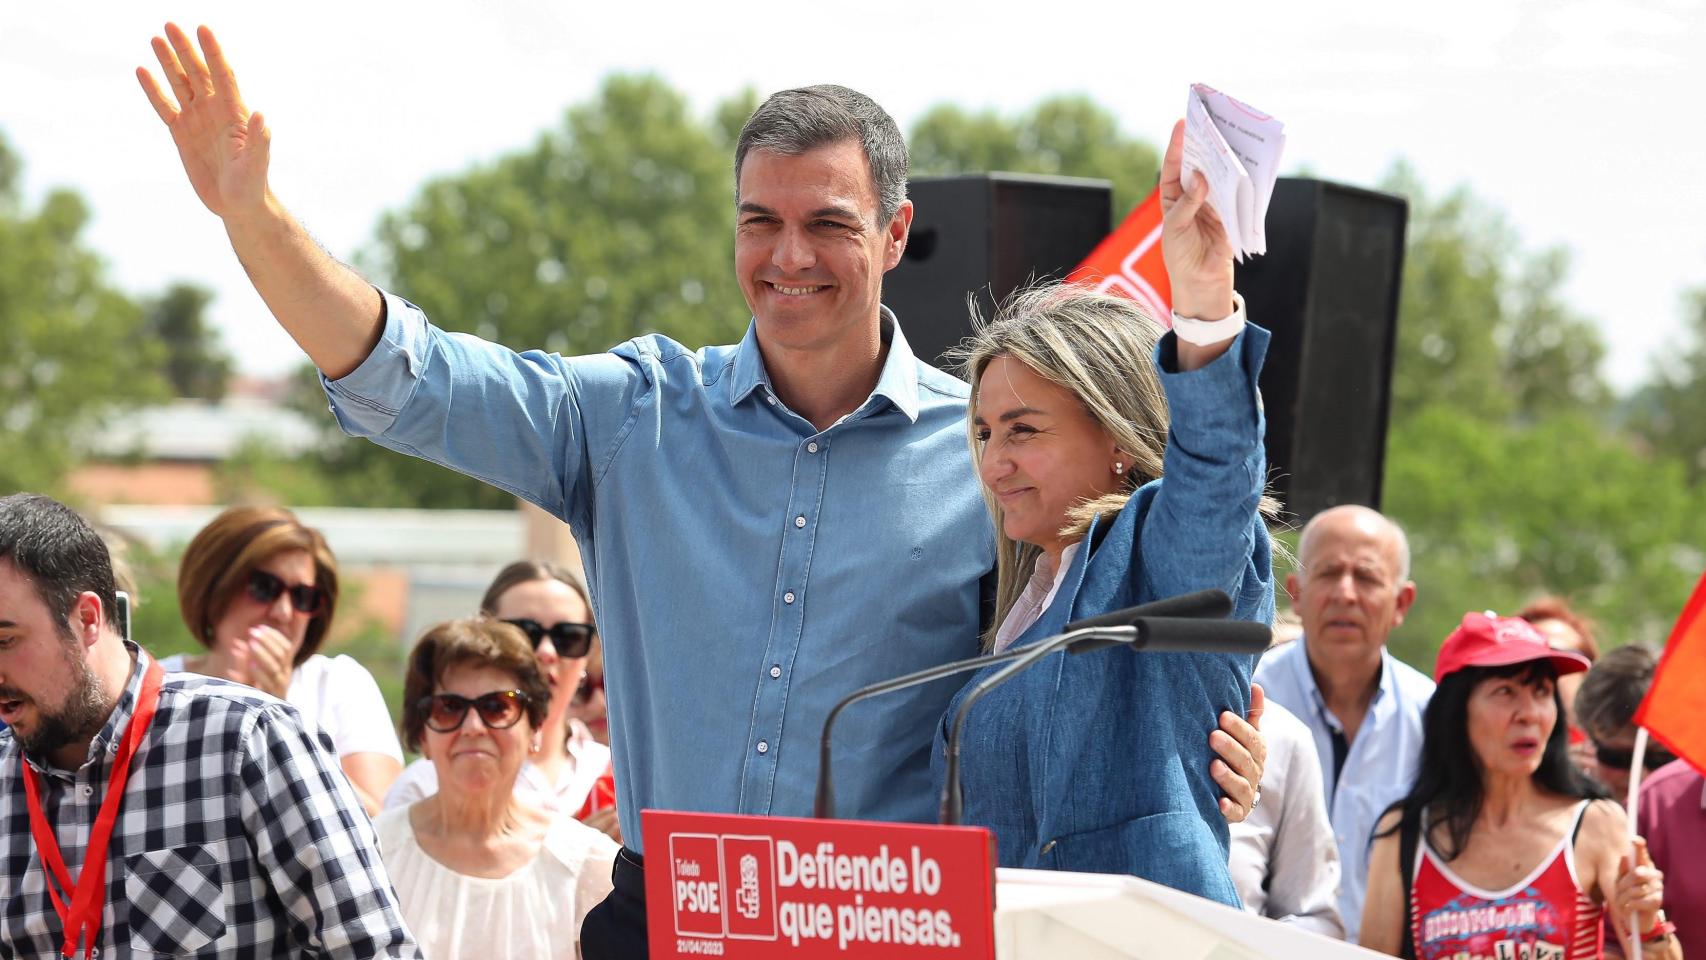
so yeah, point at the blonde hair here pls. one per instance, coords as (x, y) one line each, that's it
(1099, 347)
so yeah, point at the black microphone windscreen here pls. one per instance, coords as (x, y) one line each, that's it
(1204, 603)
(1180, 635)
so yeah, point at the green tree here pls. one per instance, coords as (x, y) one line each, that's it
(1500, 513)
(1067, 136)
(72, 347)
(195, 363)
(1670, 412)
(617, 223)
(1482, 326)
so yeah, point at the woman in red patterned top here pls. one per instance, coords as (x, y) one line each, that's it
(1503, 850)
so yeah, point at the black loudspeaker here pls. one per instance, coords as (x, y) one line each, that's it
(987, 234)
(1328, 289)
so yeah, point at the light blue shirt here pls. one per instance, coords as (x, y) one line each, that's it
(747, 570)
(1381, 764)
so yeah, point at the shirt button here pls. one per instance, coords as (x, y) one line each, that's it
(85, 791)
(763, 746)
(770, 398)
(811, 447)
(799, 521)
(775, 671)
(788, 597)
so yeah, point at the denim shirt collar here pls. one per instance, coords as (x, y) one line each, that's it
(105, 742)
(898, 382)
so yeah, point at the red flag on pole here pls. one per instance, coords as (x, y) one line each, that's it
(1128, 262)
(1675, 708)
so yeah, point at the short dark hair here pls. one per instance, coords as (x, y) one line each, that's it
(59, 551)
(476, 642)
(1448, 778)
(1614, 688)
(794, 121)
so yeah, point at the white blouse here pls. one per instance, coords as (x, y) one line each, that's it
(536, 911)
(339, 696)
(1038, 594)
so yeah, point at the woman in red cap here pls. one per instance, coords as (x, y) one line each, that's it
(1502, 848)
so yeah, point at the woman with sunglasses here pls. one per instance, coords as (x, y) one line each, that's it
(481, 871)
(258, 588)
(549, 604)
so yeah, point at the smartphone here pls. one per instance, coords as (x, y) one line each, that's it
(123, 614)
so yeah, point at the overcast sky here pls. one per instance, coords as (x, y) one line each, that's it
(1578, 119)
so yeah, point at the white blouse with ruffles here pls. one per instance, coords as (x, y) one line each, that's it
(536, 911)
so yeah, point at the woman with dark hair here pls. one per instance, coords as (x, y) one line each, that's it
(480, 871)
(258, 588)
(1503, 848)
(568, 772)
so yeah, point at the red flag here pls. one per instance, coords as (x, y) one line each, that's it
(1129, 263)
(1675, 708)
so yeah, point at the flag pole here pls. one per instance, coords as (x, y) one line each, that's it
(1637, 766)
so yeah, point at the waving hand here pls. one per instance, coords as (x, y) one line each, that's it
(224, 147)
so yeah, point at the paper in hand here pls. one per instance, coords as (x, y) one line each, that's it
(1237, 147)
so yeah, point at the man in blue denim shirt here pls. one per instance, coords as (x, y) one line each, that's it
(766, 527)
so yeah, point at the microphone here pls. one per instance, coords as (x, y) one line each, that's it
(823, 805)
(1191, 623)
(1206, 604)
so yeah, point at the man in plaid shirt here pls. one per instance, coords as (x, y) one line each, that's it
(235, 835)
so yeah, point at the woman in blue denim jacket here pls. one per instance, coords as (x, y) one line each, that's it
(1098, 762)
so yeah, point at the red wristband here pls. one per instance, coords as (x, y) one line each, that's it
(1661, 930)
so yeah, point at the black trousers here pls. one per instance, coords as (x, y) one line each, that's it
(616, 928)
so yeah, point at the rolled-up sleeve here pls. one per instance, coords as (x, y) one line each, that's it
(528, 423)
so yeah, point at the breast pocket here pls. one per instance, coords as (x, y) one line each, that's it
(177, 900)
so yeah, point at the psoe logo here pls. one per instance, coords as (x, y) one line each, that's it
(749, 864)
(723, 886)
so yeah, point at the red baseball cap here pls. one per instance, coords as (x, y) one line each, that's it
(1487, 640)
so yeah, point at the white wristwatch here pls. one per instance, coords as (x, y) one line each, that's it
(1205, 333)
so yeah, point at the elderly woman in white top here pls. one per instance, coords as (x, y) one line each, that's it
(480, 871)
(549, 604)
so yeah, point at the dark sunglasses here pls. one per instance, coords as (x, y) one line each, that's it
(445, 712)
(583, 693)
(264, 588)
(571, 639)
(1624, 759)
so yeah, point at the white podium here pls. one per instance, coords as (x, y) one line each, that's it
(1047, 915)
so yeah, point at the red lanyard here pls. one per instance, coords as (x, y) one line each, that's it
(82, 918)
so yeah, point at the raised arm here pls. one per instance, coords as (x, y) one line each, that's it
(331, 312)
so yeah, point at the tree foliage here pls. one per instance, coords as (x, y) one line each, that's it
(1670, 413)
(1502, 464)
(1066, 136)
(72, 347)
(195, 364)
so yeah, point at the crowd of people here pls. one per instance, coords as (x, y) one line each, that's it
(782, 521)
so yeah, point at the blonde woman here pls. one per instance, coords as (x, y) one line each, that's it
(1102, 500)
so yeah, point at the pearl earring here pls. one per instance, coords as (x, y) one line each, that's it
(1119, 466)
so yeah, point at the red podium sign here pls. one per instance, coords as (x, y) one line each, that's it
(735, 886)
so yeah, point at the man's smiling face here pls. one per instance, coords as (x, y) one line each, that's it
(810, 252)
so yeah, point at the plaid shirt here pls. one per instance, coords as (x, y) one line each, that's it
(238, 837)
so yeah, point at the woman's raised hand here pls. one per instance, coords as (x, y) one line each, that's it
(1194, 244)
(223, 146)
